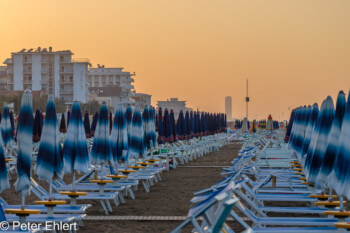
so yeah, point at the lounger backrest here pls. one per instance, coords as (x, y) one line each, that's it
(2, 214)
(3, 202)
(222, 216)
(37, 186)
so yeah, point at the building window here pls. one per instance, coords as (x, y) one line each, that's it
(62, 68)
(71, 78)
(30, 78)
(61, 58)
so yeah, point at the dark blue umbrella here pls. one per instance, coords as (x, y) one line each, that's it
(333, 141)
(110, 122)
(168, 133)
(128, 116)
(187, 126)
(137, 146)
(6, 130)
(12, 120)
(87, 125)
(4, 179)
(37, 127)
(318, 148)
(119, 136)
(94, 124)
(146, 128)
(172, 124)
(192, 125)
(49, 163)
(68, 117)
(340, 176)
(101, 153)
(24, 145)
(300, 134)
(161, 138)
(180, 126)
(63, 128)
(309, 130)
(152, 124)
(75, 149)
(289, 127)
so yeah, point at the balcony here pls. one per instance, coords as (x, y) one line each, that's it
(66, 92)
(43, 60)
(66, 81)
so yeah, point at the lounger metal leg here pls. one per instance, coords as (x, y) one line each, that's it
(145, 186)
(131, 193)
(104, 207)
(159, 177)
(121, 197)
(116, 203)
(109, 205)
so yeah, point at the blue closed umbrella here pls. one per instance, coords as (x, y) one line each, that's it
(68, 117)
(333, 141)
(187, 126)
(289, 127)
(4, 179)
(101, 148)
(119, 136)
(63, 128)
(180, 126)
(37, 126)
(12, 120)
(93, 124)
(318, 147)
(161, 139)
(192, 125)
(146, 128)
(75, 149)
(168, 133)
(49, 163)
(340, 175)
(128, 116)
(172, 125)
(152, 125)
(6, 130)
(309, 130)
(24, 145)
(137, 146)
(87, 125)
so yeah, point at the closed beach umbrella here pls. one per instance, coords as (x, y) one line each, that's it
(333, 141)
(101, 148)
(309, 130)
(49, 163)
(323, 127)
(12, 120)
(87, 125)
(37, 126)
(110, 122)
(63, 128)
(119, 136)
(93, 124)
(75, 149)
(187, 126)
(192, 125)
(340, 175)
(168, 133)
(146, 128)
(180, 126)
(172, 124)
(128, 116)
(136, 146)
(68, 117)
(24, 145)
(289, 127)
(4, 179)
(6, 130)
(160, 127)
(152, 125)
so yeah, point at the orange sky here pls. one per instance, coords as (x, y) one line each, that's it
(293, 52)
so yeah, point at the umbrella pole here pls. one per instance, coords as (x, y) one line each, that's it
(73, 184)
(50, 190)
(22, 200)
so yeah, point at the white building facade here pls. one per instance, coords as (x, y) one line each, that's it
(112, 77)
(228, 108)
(53, 72)
(175, 105)
(142, 100)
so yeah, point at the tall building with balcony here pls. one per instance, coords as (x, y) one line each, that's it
(228, 107)
(101, 77)
(53, 72)
(3, 77)
(142, 99)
